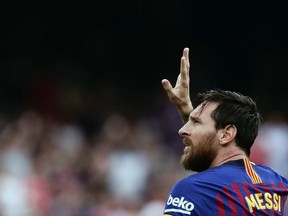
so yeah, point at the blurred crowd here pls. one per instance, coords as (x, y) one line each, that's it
(126, 168)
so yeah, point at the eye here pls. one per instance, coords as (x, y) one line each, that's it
(195, 120)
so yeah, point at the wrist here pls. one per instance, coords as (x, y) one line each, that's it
(185, 111)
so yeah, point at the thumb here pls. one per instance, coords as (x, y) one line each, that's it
(166, 85)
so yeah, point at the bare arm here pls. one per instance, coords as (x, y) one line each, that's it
(180, 94)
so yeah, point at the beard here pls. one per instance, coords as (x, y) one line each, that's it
(199, 157)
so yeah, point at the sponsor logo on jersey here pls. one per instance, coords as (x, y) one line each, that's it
(179, 205)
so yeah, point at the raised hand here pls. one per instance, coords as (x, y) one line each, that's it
(180, 94)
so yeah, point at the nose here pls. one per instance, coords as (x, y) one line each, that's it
(184, 131)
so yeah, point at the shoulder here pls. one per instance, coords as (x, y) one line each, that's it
(195, 178)
(199, 185)
(270, 173)
(212, 175)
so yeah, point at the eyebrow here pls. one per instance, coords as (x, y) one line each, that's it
(195, 118)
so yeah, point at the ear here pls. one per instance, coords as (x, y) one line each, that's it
(227, 134)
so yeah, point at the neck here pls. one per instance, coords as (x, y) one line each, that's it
(231, 155)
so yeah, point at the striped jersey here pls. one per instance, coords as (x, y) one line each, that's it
(231, 189)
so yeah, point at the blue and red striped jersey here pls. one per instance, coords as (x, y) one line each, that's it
(231, 189)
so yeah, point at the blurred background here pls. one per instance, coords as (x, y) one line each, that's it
(85, 126)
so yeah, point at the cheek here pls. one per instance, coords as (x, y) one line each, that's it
(199, 132)
(203, 134)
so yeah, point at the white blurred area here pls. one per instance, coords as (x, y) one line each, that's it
(271, 145)
(127, 168)
(50, 168)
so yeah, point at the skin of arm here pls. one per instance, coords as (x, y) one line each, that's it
(179, 95)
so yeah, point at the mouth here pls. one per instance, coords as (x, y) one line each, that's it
(186, 142)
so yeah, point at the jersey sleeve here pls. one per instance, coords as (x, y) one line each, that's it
(184, 199)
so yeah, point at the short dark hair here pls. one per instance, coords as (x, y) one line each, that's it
(236, 109)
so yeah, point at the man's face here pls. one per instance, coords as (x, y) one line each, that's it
(200, 138)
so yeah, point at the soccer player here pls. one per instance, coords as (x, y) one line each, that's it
(218, 134)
